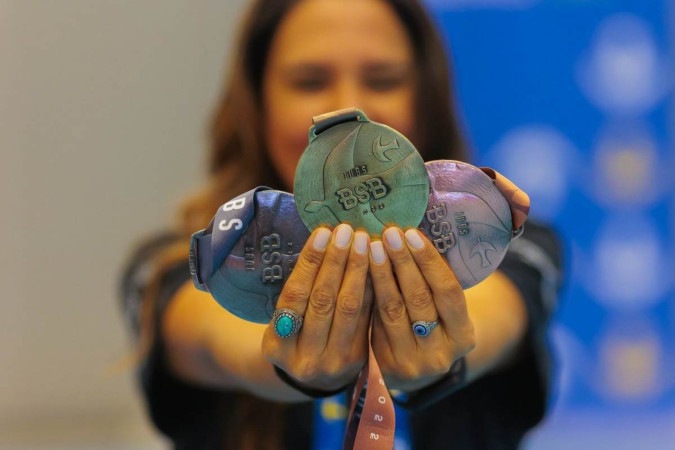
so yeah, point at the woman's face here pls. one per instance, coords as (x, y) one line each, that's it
(334, 54)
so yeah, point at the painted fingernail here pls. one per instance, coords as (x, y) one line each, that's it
(361, 242)
(321, 239)
(393, 238)
(377, 250)
(343, 235)
(414, 239)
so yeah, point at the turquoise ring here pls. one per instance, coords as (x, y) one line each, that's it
(286, 322)
(422, 328)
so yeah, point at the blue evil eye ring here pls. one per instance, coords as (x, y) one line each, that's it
(286, 322)
(422, 328)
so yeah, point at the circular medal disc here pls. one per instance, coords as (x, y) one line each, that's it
(252, 276)
(361, 173)
(467, 219)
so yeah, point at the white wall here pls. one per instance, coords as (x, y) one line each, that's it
(103, 107)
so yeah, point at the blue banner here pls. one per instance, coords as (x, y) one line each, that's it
(573, 101)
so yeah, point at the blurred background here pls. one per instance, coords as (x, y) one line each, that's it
(103, 107)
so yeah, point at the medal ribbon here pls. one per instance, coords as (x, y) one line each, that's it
(210, 247)
(372, 421)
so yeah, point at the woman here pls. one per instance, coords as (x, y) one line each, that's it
(209, 377)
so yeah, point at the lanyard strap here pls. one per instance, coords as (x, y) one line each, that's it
(330, 423)
(372, 419)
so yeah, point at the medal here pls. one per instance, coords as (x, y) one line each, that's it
(370, 176)
(247, 253)
(359, 172)
(467, 219)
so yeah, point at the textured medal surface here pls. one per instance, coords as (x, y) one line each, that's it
(364, 174)
(253, 274)
(467, 219)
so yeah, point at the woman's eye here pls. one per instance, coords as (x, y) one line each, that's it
(384, 83)
(309, 84)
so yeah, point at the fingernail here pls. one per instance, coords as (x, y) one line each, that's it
(414, 239)
(377, 250)
(321, 239)
(361, 242)
(393, 238)
(343, 235)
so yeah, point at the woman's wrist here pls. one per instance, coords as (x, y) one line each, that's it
(307, 390)
(450, 383)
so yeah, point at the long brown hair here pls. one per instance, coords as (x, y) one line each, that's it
(238, 158)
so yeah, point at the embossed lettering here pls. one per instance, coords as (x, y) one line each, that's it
(355, 172)
(462, 224)
(271, 242)
(436, 213)
(445, 243)
(272, 274)
(377, 188)
(271, 258)
(440, 229)
(249, 258)
(346, 197)
(362, 192)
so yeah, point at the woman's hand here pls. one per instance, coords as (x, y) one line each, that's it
(328, 288)
(412, 282)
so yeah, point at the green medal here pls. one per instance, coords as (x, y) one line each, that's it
(360, 172)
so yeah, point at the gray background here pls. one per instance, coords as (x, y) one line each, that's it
(103, 107)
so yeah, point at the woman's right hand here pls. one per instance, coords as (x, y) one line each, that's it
(329, 288)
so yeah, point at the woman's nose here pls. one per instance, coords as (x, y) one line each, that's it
(348, 94)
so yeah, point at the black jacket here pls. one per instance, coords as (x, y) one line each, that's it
(492, 413)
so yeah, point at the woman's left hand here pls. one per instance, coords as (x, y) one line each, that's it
(413, 282)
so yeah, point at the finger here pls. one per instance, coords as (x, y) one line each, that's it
(297, 289)
(362, 333)
(349, 318)
(324, 293)
(389, 304)
(447, 293)
(382, 348)
(366, 308)
(417, 295)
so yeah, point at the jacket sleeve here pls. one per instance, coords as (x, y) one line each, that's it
(188, 414)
